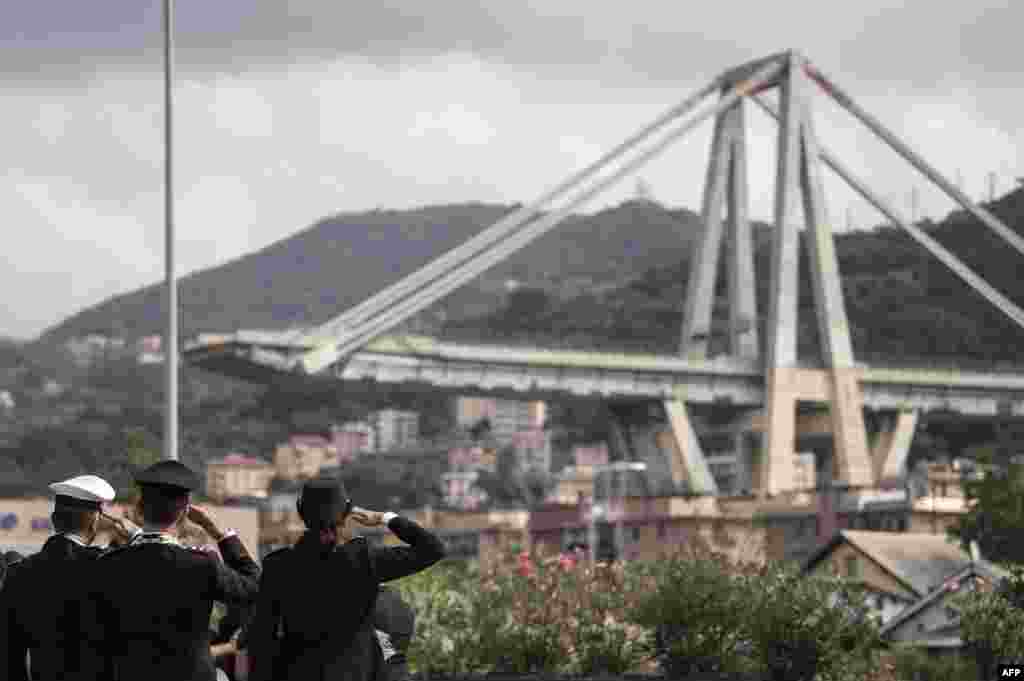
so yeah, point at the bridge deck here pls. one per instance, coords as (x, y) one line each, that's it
(263, 357)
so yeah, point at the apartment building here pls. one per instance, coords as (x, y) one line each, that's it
(302, 457)
(507, 417)
(394, 429)
(238, 475)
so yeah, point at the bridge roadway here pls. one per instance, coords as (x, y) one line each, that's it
(425, 364)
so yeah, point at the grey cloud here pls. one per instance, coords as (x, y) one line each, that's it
(913, 43)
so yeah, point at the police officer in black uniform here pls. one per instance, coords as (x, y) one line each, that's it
(154, 596)
(313, 617)
(44, 607)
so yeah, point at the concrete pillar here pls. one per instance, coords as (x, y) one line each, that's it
(892, 445)
(687, 458)
(743, 332)
(700, 291)
(780, 439)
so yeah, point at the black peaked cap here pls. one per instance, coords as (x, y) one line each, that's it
(323, 499)
(169, 474)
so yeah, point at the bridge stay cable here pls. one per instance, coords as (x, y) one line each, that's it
(319, 359)
(946, 257)
(847, 102)
(503, 228)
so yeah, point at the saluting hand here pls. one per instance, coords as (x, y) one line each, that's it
(123, 527)
(203, 519)
(367, 517)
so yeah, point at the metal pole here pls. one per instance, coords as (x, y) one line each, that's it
(171, 338)
(620, 538)
(592, 530)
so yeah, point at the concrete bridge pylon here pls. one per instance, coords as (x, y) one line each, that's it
(799, 193)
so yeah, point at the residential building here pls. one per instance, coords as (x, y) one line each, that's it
(394, 429)
(933, 622)
(148, 350)
(86, 351)
(507, 417)
(897, 568)
(533, 450)
(238, 475)
(461, 491)
(353, 438)
(302, 457)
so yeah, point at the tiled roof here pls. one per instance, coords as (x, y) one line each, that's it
(920, 561)
(237, 459)
(982, 568)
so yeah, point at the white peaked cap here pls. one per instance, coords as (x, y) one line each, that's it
(85, 488)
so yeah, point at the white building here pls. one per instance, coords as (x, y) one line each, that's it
(394, 429)
(507, 417)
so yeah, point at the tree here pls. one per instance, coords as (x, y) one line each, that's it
(995, 518)
(141, 451)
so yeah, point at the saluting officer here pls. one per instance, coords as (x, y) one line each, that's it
(44, 608)
(314, 615)
(154, 596)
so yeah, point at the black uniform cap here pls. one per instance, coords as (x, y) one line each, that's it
(171, 476)
(322, 500)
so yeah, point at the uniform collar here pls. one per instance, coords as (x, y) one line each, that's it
(74, 538)
(152, 535)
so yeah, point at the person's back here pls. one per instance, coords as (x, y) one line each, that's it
(154, 597)
(313, 616)
(45, 612)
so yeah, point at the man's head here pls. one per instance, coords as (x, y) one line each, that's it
(77, 505)
(165, 489)
(324, 507)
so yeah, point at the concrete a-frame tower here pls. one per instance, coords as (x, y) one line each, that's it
(798, 191)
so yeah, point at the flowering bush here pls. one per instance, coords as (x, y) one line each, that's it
(691, 613)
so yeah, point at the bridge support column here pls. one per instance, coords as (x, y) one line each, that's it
(671, 450)
(684, 451)
(892, 445)
(777, 468)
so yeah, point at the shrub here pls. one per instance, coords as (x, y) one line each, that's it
(806, 627)
(695, 605)
(914, 664)
(992, 630)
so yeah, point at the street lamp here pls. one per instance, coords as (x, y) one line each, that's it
(595, 510)
(171, 336)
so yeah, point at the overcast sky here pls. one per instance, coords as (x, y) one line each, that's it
(290, 111)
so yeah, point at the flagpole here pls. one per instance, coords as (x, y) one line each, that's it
(171, 337)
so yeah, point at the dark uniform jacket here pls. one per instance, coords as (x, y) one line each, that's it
(313, 618)
(397, 621)
(153, 601)
(45, 611)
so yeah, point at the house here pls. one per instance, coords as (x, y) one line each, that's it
(238, 476)
(933, 622)
(898, 569)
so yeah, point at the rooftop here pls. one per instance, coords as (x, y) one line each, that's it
(920, 561)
